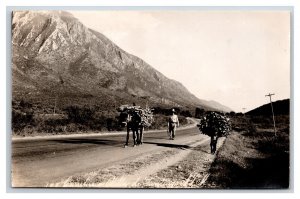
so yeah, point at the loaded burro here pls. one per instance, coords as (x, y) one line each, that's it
(214, 125)
(136, 118)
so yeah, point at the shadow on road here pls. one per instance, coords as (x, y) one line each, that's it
(156, 138)
(204, 149)
(89, 141)
(180, 146)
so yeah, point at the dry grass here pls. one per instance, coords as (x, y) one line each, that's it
(192, 172)
(172, 168)
(253, 158)
(99, 177)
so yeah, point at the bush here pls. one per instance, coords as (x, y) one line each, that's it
(199, 112)
(161, 121)
(22, 115)
(112, 124)
(186, 113)
(97, 123)
(79, 115)
(51, 125)
(72, 127)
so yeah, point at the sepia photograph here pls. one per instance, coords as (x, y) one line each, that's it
(151, 98)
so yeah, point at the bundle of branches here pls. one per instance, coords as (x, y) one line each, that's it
(129, 109)
(147, 117)
(146, 114)
(215, 124)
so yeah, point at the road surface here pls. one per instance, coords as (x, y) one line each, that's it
(38, 162)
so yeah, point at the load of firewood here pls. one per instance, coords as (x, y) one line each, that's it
(215, 124)
(146, 114)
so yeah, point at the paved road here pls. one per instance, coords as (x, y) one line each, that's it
(40, 161)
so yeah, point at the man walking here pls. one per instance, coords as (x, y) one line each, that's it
(172, 124)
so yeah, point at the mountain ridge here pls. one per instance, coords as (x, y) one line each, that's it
(280, 107)
(54, 53)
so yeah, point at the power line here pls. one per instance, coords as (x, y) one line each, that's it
(270, 95)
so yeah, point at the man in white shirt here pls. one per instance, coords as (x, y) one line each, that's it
(172, 124)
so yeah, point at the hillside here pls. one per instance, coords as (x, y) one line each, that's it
(281, 107)
(56, 58)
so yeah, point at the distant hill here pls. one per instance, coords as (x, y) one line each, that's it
(281, 107)
(56, 59)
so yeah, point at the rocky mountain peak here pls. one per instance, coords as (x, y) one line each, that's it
(53, 52)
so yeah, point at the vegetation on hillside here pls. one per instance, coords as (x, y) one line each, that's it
(36, 119)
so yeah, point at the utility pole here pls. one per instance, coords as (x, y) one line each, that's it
(270, 95)
(54, 105)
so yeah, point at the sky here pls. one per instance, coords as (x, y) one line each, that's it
(232, 57)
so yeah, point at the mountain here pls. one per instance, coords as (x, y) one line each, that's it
(217, 106)
(54, 56)
(281, 107)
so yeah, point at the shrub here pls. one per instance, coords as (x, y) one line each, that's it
(186, 113)
(22, 115)
(199, 112)
(80, 115)
(161, 121)
(51, 125)
(72, 127)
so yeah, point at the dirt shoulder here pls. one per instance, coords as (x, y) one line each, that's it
(190, 172)
(185, 166)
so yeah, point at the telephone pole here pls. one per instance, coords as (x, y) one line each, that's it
(270, 95)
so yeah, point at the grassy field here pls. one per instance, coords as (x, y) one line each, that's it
(252, 157)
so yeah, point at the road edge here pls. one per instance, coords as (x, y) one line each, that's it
(104, 133)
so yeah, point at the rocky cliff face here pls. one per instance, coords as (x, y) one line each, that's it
(53, 53)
